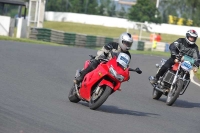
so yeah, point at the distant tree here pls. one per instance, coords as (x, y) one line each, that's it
(186, 9)
(111, 9)
(90, 7)
(76, 6)
(194, 11)
(106, 8)
(58, 5)
(100, 9)
(121, 13)
(144, 10)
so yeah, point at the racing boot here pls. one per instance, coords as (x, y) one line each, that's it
(160, 73)
(91, 67)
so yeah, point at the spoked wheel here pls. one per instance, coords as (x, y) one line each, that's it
(99, 97)
(156, 94)
(73, 95)
(174, 93)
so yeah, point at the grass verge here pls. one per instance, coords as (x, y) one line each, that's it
(157, 53)
(198, 74)
(26, 40)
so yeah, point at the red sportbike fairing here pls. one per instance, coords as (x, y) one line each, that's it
(98, 84)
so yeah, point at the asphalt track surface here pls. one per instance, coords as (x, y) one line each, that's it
(35, 81)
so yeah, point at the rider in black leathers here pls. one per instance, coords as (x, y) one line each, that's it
(186, 46)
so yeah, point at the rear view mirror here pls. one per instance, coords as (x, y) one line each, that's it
(138, 70)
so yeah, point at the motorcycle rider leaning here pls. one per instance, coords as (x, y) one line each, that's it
(125, 43)
(187, 46)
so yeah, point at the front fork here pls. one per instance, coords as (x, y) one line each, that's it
(175, 77)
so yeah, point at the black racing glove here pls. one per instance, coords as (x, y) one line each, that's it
(108, 46)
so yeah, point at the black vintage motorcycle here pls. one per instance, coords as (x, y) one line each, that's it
(175, 80)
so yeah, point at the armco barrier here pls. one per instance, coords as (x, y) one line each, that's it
(160, 47)
(140, 46)
(80, 40)
(86, 40)
(68, 38)
(148, 46)
(107, 40)
(134, 45)
(91, 40)
(167, 47)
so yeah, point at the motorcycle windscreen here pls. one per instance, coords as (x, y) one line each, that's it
(123, 59)
(175, 66)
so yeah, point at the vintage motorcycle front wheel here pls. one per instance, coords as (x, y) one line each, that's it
(174, 93)
(97, 99)
(156, 94)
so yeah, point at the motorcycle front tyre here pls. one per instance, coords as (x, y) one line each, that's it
(73, 96)
(156, 94)
(94, 104)
(171, 99)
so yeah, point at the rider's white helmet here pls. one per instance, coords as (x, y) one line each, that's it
(125, 41)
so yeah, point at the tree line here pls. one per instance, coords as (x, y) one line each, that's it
(94, 7)
(143, 10)
(182, 12)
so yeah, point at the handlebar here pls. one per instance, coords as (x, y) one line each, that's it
(136, 70)
(92, 56)
(102, 59)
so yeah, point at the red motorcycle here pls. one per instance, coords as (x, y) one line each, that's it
(98, 84)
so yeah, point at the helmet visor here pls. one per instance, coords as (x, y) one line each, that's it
(192, 39)
(128, 44)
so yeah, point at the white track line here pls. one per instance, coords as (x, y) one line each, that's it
(192, 78)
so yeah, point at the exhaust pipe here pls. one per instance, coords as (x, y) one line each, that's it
(155, 86)
(159, 89)
(76, 88)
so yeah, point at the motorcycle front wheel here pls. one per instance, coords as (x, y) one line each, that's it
(97, 99)
(174, 93)
(73, 95)
(156, 94)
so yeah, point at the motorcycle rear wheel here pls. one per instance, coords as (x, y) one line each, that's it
(97, 100)
(174, 94)
(73, 95)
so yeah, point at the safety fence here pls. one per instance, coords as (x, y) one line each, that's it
(83, 40)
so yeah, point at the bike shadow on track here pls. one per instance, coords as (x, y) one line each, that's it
(116, 110)
(182, 103)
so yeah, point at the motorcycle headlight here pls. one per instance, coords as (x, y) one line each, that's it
(114, 73)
